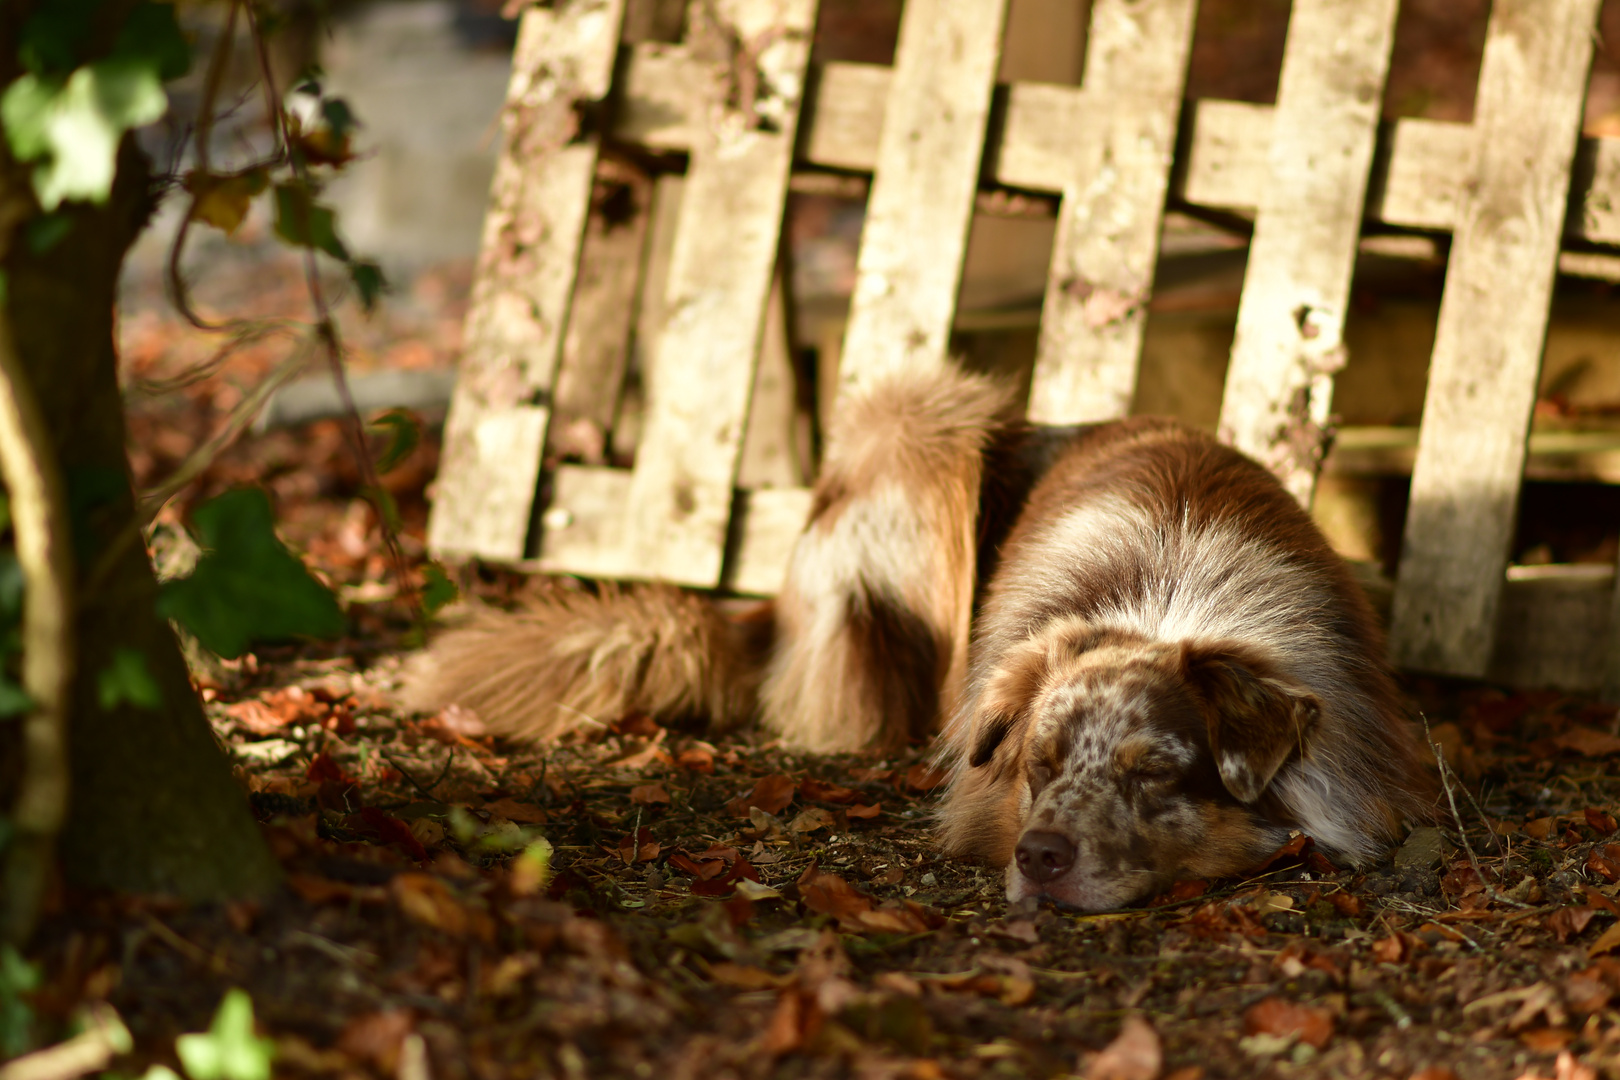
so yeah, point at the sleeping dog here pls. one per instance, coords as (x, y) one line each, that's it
(1169, 671)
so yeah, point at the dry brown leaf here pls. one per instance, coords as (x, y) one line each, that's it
(648, 794)
(746, 976)
(1547, 1039)
(375, 1037)
(1607, 942)
(520, 812)
(1567, 922)
(1135, 1054)
(860, 812)
(811, 819)
(1280, 1017)
(426, 900)
(1588, 741)
(1601, 823)
(924, 777)
(823, 791)
(1565, 1068)
(1540, 828)
(1434, 1072)
(771, 794)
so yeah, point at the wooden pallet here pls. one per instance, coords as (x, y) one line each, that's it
(937, 136)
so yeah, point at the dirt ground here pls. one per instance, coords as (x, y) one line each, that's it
(664, 903)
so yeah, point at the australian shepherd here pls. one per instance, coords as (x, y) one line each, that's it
(1168, 672)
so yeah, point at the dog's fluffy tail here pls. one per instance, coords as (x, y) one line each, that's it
(872, 623)
(575, 661)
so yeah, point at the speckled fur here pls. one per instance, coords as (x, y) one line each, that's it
(1171, 669)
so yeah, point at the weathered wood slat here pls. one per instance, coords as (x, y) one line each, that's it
(596, 348)
(921, 204)
(1296, 289)
(1108, 223)
(770, 453)
(1417, 170)
(1493, 321)
(586, 528)
(719, 281)
(496, 428)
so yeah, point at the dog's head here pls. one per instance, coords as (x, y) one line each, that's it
(1140, 762)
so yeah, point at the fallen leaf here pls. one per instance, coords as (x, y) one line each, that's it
(375, 1037)
(512, 810)
(392, 830)
(1547, 1039)
(811, 819)
(1588, 741)
(1135, 1054)
(924, 777)
(1434, 1072)
(455, 725)
(872, 776)
(1607, 942)
(822, 791)
(648, 794)
(1567, 922)
(771, 794)
(256, 718)
(1603, 866)
(1280, 1017)
(746, 976)
(1346, 904)
(426, 900)
(1565, 1068)
(829, 894)
(860, 812)
(1598, 900)
(1601, 823)
(1540, 828)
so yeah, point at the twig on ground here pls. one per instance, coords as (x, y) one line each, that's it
(427, 792)
(1446, 776)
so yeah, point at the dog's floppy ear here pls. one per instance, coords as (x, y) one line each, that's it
(1256, 719)
(1004, 705)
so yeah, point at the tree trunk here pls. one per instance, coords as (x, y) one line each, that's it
(153, 806)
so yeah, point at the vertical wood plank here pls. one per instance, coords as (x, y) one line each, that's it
(596, 348)
(540, 198)
(719, 281)
(770, 455)
(921, 204)
(1108, 223)
(1493, 323)
(1296, 291)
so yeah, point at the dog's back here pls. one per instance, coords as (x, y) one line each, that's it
(1161, 588)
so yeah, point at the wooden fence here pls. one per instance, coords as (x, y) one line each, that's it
(1517, 189)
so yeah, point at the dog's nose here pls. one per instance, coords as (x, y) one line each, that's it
(1043, 856)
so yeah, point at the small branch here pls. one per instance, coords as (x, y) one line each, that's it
(43, 541)
(204, 131)
(427, 792)
(326, 328)
(1491, 891)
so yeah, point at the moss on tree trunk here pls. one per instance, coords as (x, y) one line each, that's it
(153, 805)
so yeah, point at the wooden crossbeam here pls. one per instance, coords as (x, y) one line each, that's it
(1296, 289)
(1419, 166)
(1488, 344)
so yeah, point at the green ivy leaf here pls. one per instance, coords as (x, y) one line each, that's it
(17, 977)
(53, 35)
(128, 678)
(247, 586)
(152, 35)
(229, 1050)
(303, 222)
(368, 282)
(437, 588)
(404, 436)
(71, 129)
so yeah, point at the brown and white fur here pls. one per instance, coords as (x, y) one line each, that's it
(1171, 669)
(867, 639)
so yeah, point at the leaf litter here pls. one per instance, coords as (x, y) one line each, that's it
(669, 902)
